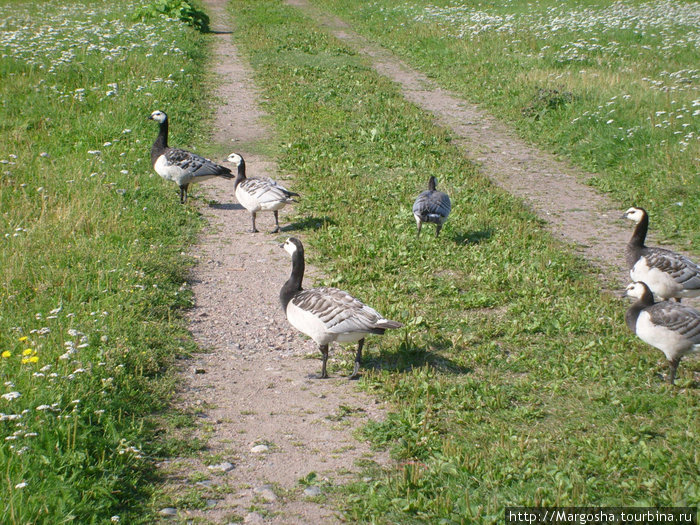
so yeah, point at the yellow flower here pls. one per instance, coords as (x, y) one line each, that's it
(24, 338)
(34, 359)
(27, 351)
(7, 353)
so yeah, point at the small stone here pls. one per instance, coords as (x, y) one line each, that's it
(259, 449)
(266, 493)
(206, 483)
(200, 371)
(221, 467)
(312, 491)
(211, 503)
(169, 512)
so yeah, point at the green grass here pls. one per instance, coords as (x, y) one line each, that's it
(611, 86)
(515, 380)
(91, 254)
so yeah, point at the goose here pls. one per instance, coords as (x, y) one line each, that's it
(259, 194)
(178, 165)
(327, 314)
(666, 273)
(431, 206)
(669, 326)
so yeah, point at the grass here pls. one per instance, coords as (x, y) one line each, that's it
(91, 257)
(515, 380)
(611, 86)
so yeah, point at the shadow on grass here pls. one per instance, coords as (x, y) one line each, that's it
(409, 355)
(474, 237)
(310, 223)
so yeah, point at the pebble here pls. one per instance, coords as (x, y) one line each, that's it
(200, 371)
(312, 491)
(170, 512)
(206, 483)
(259, 449)
(266, 493)
(211, 503)
(253, 517)
(221, 467)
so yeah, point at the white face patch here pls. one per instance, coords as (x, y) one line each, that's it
(290, 247)
(234, 158)
(635, 290)
(158, 116)
(634, 214)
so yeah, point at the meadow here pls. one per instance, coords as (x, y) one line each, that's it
(612, 86)
(91, 254)
(515, 380)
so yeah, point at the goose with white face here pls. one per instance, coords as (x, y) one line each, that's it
(180, 166)
(258, 194)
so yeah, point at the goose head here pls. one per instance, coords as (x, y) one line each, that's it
(235, 159)
(293, 245)
(158, 116)
(635, 214)
(637, 290)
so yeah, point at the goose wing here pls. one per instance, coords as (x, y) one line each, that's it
(681, 269)
(679, 318)
(432, 203)
(340, 312)
(194, 165)
(266, 191)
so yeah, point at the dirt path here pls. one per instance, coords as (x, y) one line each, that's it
(267, 423)
(556, 191)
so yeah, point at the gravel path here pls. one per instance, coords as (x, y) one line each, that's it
(268, 423)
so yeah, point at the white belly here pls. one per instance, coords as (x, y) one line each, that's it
(307, 323)
(661, 283)
(248, 202)
(669, 342)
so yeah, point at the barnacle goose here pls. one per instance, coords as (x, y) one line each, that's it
(327, 314)
(666, 273)
(671, 327)
(259, 194)
(432, 206)
(178, 165)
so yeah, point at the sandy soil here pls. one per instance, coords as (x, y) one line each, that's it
(253, 385)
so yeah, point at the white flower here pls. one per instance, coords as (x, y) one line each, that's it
(21, 485)
(11, 395)
(43, 407)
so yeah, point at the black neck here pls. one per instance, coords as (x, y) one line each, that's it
(240, 176)
(431, 184)
(636, 244)
(293, 284)
(633, 312)
(640, 232)
(161, 142)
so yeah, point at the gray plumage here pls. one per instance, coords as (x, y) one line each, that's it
(256, 194)
(328, 314)
(178, 165)
(432, 206)
(668, 274)
(669, 326)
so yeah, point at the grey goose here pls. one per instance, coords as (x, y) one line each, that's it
(432, 206)
(256, 194)
(669, 326)
(327, 314)
(178, 165)
(668, 274)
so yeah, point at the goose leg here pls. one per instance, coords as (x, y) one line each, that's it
(438, 227)
(419, 227)
(183, 194)
(324, 351)
(358, 359)
(673, 366)
(254, 229)
(277, 222)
